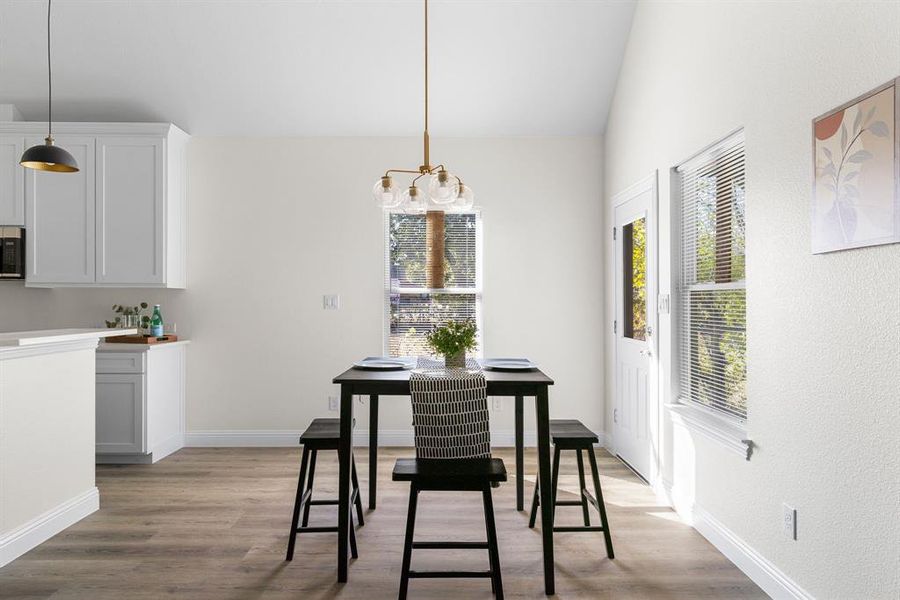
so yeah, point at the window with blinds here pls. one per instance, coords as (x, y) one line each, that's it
(414, 302)
(712, 291)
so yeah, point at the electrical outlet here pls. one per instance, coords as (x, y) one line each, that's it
(331, 302)
(498, 404)
(332, 403)
(789, 521)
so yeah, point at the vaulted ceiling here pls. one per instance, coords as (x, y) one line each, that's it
(327, 67)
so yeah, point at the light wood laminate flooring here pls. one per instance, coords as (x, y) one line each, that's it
(212, 523)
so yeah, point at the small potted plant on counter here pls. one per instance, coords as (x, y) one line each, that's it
(130, 317)
(452, 340)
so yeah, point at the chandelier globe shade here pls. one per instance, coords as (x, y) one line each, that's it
(465, 199)
(386, 193)
(413, 201)
(443, 187)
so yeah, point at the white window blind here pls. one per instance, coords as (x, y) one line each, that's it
(712, 292)
(411, 308)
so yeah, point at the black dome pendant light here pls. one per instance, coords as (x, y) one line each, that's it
(48, 156)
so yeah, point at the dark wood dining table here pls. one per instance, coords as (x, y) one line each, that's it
(518, 384)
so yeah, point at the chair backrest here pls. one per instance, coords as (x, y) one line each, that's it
(450, 414)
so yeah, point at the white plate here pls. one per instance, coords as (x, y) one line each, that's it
(508, 364)
(385, 363)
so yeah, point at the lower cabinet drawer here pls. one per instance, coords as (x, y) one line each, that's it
(120, 413)
(121, 362)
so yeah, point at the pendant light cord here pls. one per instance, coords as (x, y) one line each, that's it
(49, 79)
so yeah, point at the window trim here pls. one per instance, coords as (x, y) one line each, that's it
(729, 430)
(477, 291)
(721, 428)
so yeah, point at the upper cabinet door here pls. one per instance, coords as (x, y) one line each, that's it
(59, 215)
(131, 219)
(12, 181)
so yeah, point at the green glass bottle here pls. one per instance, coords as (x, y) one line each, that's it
(156, 322)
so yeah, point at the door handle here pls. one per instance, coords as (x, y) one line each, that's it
(615, 415)
(646, 353)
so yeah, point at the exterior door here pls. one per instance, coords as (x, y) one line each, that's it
(635, 409)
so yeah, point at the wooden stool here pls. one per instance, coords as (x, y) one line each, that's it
(322, 434)
(571, 434)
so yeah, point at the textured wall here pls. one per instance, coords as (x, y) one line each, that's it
(823, 349)
(276, 223)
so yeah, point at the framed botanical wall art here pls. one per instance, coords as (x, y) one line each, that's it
(856, 184)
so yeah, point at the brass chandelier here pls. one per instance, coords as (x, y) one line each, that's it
(444, 192)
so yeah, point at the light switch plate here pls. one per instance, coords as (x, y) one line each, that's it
(331, 302)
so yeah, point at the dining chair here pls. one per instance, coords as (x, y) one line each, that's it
(453, 453)
(322, 434)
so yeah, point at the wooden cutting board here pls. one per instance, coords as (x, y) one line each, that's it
(141, 339)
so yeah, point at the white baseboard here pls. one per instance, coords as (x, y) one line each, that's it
(754, 565)
(274, 438)
(269, 438)
(167, 447)
(22, 539)
(159, 452)
(123, 459)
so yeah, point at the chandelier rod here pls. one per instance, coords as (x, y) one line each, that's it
(426, 166)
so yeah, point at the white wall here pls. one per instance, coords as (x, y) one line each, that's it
(276, 223)
(823, 351)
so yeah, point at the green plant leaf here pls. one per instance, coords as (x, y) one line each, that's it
(453, 337)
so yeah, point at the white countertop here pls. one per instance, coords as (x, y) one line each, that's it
(52, 336)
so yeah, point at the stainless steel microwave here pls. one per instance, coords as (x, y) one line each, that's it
(12, 253)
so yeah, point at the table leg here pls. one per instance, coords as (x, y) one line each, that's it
(373, 449)
(520, 454)
(345, 447)
(541, 402)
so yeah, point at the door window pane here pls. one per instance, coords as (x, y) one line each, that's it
(634, 260)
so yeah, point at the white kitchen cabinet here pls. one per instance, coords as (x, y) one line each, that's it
(60, 218)
(130, 208)
(12, 180)
(140, 401)
(120, 413)
(118, 222)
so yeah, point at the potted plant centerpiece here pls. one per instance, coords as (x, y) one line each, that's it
(452, 340)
